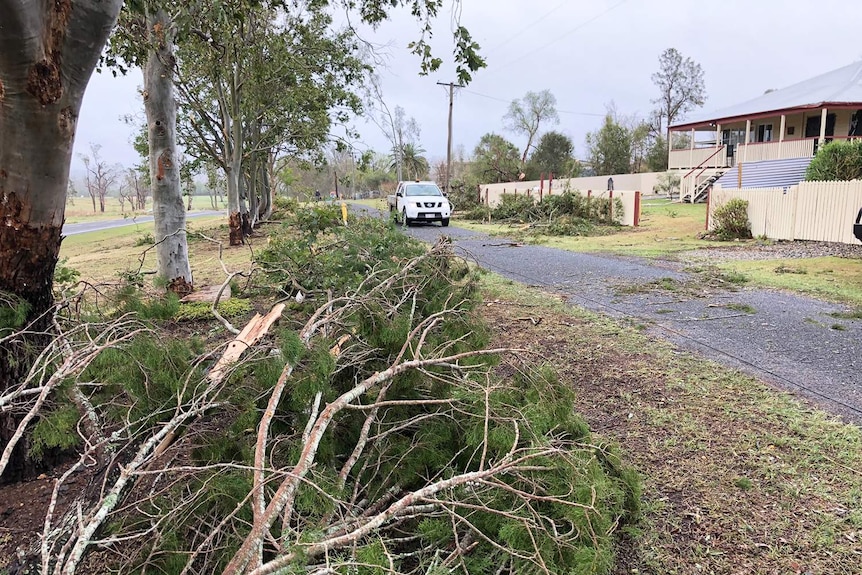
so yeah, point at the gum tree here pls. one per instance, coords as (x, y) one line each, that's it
(48, 50)
(526, 116)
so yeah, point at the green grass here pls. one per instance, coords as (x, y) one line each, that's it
(830, 278)
(773, 482)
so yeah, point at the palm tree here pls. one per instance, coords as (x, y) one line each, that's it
(413, 163)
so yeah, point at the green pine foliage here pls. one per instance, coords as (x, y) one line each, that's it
(568, 214)
(584, 492)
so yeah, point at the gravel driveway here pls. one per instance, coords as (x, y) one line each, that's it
(788, 340)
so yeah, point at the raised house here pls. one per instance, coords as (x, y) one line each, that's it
(775, 134)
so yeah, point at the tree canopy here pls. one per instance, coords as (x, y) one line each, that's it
(553, 155)
(610, 148)
(680, 84)
(495, 159)
(527, 115)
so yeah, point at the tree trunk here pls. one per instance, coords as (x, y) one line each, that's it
(48, 51)
(267, 192)
(172, 253)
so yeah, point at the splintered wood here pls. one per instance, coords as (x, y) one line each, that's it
(253, 331)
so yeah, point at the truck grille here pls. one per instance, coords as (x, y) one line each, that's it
(433, 204)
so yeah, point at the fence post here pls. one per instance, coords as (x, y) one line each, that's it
(487, 203)
(637, 214)
(708, 202)
(550, 183)
(610, 206)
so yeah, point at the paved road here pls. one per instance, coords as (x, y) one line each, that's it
(788, 340)
(72, 229)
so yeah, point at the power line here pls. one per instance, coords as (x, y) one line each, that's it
(527, 27)
(558, 38)
(508, 101)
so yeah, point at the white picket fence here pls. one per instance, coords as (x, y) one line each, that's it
(821, 211)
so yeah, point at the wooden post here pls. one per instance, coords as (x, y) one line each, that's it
(550, 183)
(739, 175)
(611, 205)
(822, 139)
(708, 198)
(487, 203)
(691, 150)
(637, 214)
(781, 129)
(747, 138)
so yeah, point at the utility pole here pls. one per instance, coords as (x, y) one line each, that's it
(452, 87)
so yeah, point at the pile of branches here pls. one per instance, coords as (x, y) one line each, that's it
(568, 214)
(367, 432)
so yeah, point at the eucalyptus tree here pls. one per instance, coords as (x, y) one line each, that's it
(146, 38)
(526, 116)
(48, 50)
(680, 85)
(261, 80)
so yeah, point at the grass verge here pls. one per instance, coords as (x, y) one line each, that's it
(830, 278)
(738, 477)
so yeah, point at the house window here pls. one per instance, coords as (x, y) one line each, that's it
(764, 133)
(732, 137)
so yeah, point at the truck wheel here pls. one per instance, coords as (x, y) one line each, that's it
(445, 222)
(404, 219)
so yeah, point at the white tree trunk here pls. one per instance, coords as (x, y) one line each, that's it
(172, 251)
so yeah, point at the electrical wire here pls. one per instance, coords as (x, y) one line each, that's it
(524, 29)
(508, 101)
(555, 40)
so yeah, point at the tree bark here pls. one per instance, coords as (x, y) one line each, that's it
(48, 51)
(172, 253)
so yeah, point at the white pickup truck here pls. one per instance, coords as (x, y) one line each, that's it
(419, 202)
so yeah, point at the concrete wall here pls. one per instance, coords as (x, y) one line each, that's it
(820, 211)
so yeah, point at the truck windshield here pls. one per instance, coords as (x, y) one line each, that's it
(422, 190)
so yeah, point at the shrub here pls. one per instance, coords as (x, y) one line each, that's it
(145, 240)
(514, 207)
(838, 160)
(731, 220)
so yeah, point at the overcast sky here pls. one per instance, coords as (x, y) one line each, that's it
(588, 53)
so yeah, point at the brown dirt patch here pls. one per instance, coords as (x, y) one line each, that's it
(738, 478)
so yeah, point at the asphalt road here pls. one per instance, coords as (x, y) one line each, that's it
(787, 340)
(72, 229)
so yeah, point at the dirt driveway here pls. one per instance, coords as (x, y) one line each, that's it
(791, 341)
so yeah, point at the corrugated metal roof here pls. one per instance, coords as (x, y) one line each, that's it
(767, 174)
(838, 87)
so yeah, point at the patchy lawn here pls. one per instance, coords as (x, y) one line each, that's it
(738, 477)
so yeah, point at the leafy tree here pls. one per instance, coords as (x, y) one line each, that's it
(553, 155)
(495, 159)
(610, 148)
(680, 84)
(837, 160)
(526, 116)
(656, 158)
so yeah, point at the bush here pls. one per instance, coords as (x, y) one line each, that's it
(514, 207)
(838, 160)
(731, 220)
